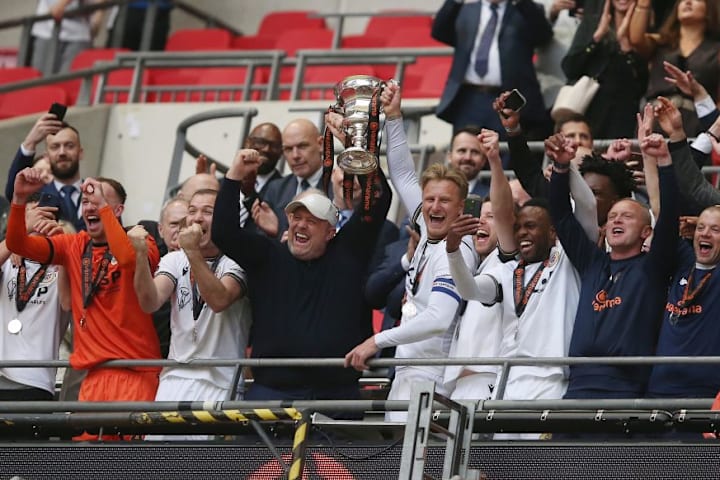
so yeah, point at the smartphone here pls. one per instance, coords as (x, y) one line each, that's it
(48, 200)
(515, 101)
(473, 205)
(59, 110)
(578, 4)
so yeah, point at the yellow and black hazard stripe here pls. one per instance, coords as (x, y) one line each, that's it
(215, 416)
(299, 445)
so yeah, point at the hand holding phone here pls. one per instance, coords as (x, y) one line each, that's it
(473, 205)
(515, 101)
(59, 110)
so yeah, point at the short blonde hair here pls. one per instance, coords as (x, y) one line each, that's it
(438, 171)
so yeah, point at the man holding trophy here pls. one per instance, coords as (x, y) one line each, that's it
(320, 273)
(431, 300)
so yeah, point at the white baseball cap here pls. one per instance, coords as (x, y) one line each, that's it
(318, 205)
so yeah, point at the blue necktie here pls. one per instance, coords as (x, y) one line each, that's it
(483, 51)
(69, 206)
(304, 185)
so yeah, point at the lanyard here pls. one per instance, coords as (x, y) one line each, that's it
(520, 294)
(25, 291)
(688, 297)
(198, 301)
(90, 285)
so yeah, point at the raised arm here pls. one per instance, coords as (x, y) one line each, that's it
(579, 248)
(151, 293)
(526, 166)
(585, 204)
(246, 248)
(27, 182)
(500, 193)
(400, 162)
(666, 231)
(644, 43)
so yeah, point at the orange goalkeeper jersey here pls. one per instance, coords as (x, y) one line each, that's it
(112, 326)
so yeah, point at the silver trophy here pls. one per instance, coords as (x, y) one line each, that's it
(354, 95)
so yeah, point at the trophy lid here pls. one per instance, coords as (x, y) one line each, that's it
(351, 86)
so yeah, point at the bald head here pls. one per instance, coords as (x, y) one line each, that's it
(199, 181)
(302, 145)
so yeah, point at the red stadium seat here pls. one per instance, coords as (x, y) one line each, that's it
(254, 42)
(412, 37)
(18, 74)
(293, 40)
(428, 85)
(87, 59)
(275, 22)
(31, 100)
(219, 76)
(382, 26)
(362, 41)
(331, 74)
(416, 37)
(199, 39)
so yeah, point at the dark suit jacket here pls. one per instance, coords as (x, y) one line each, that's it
(248, 202)
(523, 28)
(21, 162)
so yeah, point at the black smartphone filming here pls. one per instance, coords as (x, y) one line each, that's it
(59, 110)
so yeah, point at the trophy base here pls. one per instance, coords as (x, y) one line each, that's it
(356, 161)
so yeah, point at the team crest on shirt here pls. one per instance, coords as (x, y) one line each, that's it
(183, 297)
(113, 261)
(554, 258)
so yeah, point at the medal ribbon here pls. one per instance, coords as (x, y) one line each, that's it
(198, 301)
(689, 297)
(90, 285)
(25, 292)
(520, 294)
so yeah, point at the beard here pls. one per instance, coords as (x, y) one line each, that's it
(65, 173)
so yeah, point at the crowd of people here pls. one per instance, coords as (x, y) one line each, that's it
(601, 254)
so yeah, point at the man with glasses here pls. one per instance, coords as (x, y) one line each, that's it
(266, 139)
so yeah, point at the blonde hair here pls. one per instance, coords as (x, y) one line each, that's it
(438, 171)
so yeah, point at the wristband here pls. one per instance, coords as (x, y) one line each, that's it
(717, 139)
(514, 130)
(560, 167)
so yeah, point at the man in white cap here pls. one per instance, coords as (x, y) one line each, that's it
(320, 274)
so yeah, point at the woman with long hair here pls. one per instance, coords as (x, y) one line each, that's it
(690, 40)
(602, 50)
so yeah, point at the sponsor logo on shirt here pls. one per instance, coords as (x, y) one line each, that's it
(681, 312)
(602, 302)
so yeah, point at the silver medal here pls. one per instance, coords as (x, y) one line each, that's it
(14, 326)
(409, 310)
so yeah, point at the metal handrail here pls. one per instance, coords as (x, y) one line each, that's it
(400, 56)
(314, 362)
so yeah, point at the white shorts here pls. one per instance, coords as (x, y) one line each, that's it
(530, 387)
(176, 389)
(478, 386)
